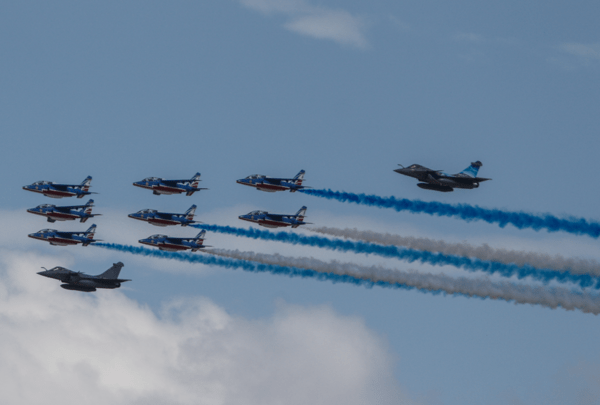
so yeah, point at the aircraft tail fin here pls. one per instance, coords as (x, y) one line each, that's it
(195, 180)
(113, 272)
(90, 232)
(299, 178)
(472, 170)
(85, 185)
(88, 207)
(301, 213)
(189, 214)
(200, 236)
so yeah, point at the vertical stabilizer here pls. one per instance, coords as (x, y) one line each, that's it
(472, 170)
(113, 272)
(85, 185)
(90, 232)
(195, 180)
(200, 236)
(299, 178)
(189, 214)
(88, 207)
(300, 214)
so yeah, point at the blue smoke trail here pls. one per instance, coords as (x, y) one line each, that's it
(261, 267)
(521, 220)
(410, 255)
(424, 283)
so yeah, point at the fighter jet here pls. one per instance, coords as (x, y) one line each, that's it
(164, 218)
(53, 190)
(263, 218)
(161, 186)
(76, 280)
(54, 213)
(170, 244)
(439, 181)
(270, 184)
(57, 238)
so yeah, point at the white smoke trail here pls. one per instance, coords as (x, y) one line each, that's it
(482, 252)
(482, 287)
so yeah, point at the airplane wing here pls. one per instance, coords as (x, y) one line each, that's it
(63, 187)
(68, 234)
(274, 181)
(68, 209)
(164, 215)
(468, 180)
(175, 240)
(173, 183)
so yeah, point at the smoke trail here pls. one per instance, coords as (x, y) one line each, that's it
(410, 255)
(521, 220)
(482, 287)
(377, 276)
(482, 252)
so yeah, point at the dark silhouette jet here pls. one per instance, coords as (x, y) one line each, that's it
(76, 280)
(439, 181)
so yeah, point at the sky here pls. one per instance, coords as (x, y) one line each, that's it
(346, 91)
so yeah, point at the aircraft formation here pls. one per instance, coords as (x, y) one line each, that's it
(429, 179)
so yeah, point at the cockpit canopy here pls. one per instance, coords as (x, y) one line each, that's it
(146, 211)
(44, 206)
(257, 213)
(41, 183)
(151, 179)
(255, 176)
(415, 166)
(158, 237)
(47, 231)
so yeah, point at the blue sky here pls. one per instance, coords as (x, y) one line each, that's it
(346, 91)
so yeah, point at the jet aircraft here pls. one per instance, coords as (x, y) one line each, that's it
(439, 181)
(54, 213)
(53, 190)
(58, 238)
(266, 219)
(164, 218)
(271, 184)
(170, 244)
(161, 186)
(76, 280)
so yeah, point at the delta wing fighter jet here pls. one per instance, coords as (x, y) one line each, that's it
(439, 181)
(161, 186)
(164, 218)
(78, 281)
(170, 244)
(53, 190)
(58, 238)
(54, 213)
(271, 184)
(266, 219)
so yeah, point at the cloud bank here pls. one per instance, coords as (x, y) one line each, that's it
(70, 347)
(315, 21)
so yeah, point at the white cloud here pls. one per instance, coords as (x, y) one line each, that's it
(315, 21)
(67, 347)
(585, 51)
